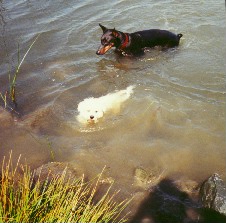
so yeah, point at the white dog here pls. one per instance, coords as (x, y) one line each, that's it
(92, 109)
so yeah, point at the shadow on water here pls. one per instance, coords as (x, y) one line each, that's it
(168, 204)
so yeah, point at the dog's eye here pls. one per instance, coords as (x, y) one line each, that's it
(103, 41)
(96, 111)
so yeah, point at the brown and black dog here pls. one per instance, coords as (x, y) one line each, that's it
(135, 43)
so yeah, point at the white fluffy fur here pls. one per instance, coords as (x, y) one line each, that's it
(92, 109)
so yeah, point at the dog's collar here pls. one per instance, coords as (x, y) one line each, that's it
(126, 41)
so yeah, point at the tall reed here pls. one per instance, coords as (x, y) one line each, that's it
(13, 77)
(13, 81)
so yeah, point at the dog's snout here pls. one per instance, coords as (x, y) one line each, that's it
(91, 117)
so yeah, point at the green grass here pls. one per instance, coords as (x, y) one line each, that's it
(20, 62)
(58, 199)
(4, 98)
(11, 94)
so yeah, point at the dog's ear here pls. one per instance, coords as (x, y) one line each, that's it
(115, 33)
(103, 28)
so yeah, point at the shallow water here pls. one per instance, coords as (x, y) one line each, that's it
(175, 120)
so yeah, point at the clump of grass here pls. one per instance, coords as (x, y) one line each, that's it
(13, 78)
(59, 199)
(20, 62)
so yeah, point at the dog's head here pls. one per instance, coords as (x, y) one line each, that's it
(109, 39)
(89, 111)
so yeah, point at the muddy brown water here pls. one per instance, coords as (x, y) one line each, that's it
(173, 124)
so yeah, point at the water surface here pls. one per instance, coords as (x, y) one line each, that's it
(173, 123)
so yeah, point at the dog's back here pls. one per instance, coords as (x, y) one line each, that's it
(115, 99)
(157, 37)
(121, 95)
(129, 90)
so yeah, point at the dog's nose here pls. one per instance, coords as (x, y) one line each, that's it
(91, 117)
(98, 52)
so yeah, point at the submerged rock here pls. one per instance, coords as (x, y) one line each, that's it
(213, 194)
(53, 169)
(141, 177)
(6, 119)
(146, 179)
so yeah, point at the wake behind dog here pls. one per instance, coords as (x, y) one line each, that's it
(92, 109)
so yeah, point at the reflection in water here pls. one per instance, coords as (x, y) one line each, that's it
(2, 28)
(2, 19)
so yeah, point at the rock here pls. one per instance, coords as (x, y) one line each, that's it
(146, 179)
(6, 119)
(53, 169)
(141, 177)
(213, 194)
(165, 203)
(191, 187)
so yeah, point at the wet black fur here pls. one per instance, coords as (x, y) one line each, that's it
(138, 41)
